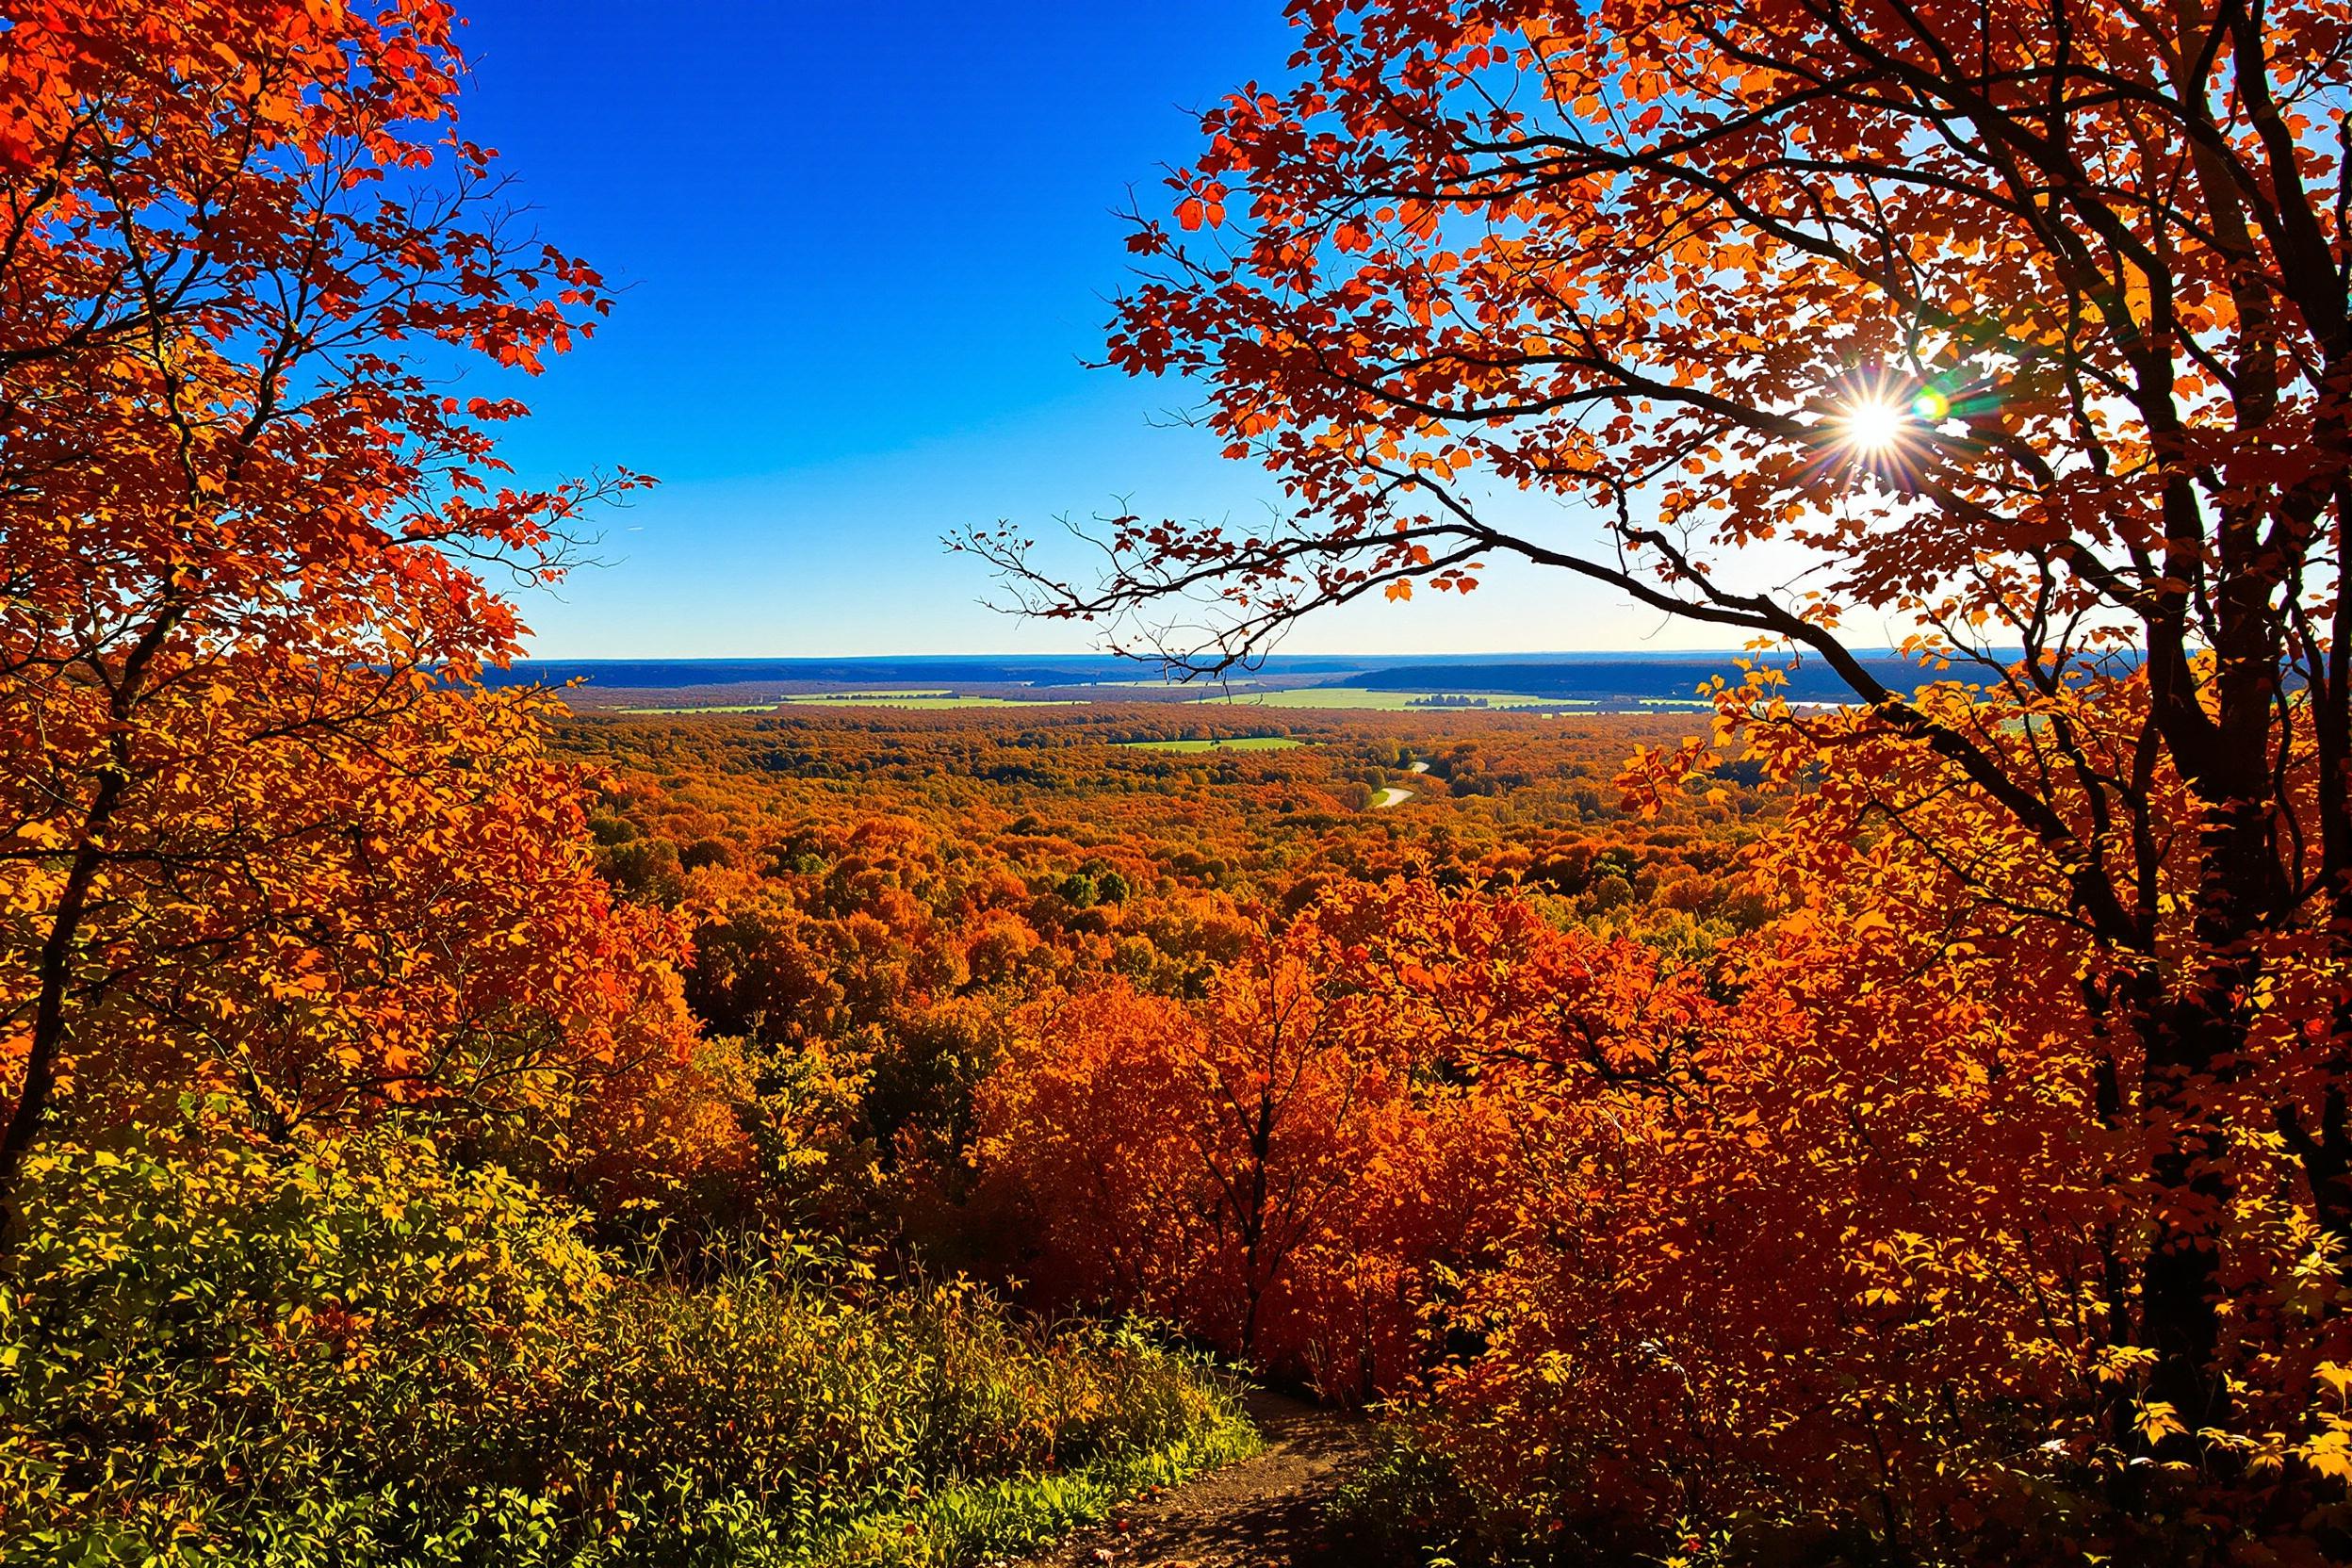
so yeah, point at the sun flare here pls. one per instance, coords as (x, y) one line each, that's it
(1875, 425)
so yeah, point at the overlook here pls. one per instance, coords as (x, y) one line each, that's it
(790, 788)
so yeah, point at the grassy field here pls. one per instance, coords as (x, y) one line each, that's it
(923, 699)
(1144, 685)
(862, 699)
(1356, 698)
(706, 707)
(1240, 742)
(863, 695)
(1330, 698)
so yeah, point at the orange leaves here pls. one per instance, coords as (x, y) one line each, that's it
(1212, 1162)
(1688, 248)
(345, 925)
(1669, 1203)
(1202, 204)
(1328, 1122)
(296, 856)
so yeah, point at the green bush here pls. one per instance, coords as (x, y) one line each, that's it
(211, 1351)
(1406, 1506)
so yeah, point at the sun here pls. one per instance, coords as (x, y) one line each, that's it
(1875, 425)
(1880, 425)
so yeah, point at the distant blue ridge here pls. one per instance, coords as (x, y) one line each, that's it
(956, 669)
(1659, 677)
(1567, 677)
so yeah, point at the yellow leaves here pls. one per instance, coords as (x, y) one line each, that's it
(2328, 1454)
(2119, 1364)
(2156, 1420)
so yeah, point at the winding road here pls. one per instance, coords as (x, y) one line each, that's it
(1397, 794)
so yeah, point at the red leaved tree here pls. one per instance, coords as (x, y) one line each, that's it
(252, 812)
(1245, 1165)
(2029, 323)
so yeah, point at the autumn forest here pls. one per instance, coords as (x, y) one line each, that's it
(1887, 1105)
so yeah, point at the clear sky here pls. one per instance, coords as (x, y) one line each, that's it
(864, 252)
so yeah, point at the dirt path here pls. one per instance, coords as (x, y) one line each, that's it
(1263, 1512)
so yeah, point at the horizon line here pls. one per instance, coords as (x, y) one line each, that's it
(1147, 659)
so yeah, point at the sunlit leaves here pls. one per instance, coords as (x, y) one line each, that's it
(263, 836)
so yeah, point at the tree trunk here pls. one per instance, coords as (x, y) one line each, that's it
(55, 973)
(2194, 1032)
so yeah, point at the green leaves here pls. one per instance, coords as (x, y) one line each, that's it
(358, 1353)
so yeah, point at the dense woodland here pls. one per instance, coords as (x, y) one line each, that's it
(1656, 1164)
(881, 905)
(448, 1126)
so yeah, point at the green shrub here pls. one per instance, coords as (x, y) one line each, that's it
(193, 1322)
(355, 1353)
(1406, 1506)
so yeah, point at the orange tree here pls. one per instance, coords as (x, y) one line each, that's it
(246, 791)
(2024, 325)
(1250, 1163)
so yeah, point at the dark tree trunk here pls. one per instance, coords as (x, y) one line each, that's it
(55, 978)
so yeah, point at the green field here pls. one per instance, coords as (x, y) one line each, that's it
(1238, 742)
(861, 699)
(706, 707)
(1333, 698)
(1358, 699)
(1142, 685)
(922, 700)
(869, 697)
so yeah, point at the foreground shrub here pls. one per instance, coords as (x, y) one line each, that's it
(1407, 1504)
(215, 1351)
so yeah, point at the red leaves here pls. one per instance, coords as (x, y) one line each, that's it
(326, 859)
(1203, 204)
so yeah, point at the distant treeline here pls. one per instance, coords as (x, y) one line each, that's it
(1658, 677)
(1592, 677)
(939, 670)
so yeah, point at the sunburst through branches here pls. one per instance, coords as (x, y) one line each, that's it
(1882, 423)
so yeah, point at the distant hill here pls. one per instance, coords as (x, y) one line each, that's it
(1603, 679)
(1622, 678)
(944, 669)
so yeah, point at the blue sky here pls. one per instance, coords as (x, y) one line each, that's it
(863, 253)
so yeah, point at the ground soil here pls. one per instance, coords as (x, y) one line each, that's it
(1263, 1512)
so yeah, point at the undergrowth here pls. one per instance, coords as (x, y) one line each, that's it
(358, 1355)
